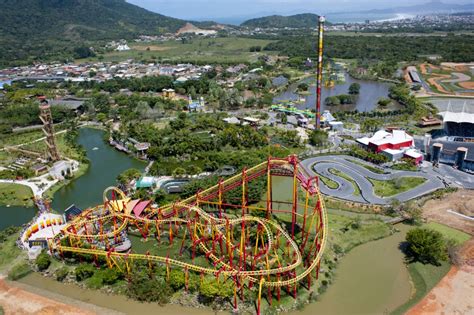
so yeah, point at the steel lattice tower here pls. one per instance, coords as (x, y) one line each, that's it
(47, 119)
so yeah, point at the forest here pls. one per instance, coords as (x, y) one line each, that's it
(455, 48)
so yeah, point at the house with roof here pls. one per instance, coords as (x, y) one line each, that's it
(396, 145)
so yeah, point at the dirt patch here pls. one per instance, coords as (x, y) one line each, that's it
(18, 301)
(461, 201)
(453, 295)
(150, 48)
(467, 85)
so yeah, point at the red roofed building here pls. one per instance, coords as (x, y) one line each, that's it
(395, 145)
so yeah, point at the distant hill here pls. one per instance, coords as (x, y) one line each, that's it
(305, 20)
(42, 29)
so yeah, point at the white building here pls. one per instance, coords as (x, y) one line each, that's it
(64, 168)
(122, 47)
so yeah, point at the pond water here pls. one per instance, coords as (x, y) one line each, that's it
(370, 93)
(105, 164)
(371, 279)
(15, 216)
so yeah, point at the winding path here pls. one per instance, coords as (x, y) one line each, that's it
(322, 164)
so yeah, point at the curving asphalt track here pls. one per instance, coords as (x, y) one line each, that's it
(322, 164)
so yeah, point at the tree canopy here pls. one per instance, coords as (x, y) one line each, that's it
(426, 245)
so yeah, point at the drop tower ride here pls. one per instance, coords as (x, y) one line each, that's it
(319, 75)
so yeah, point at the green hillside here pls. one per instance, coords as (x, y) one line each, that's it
(41, 29)
(305, 20)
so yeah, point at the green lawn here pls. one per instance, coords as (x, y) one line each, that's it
(387, 188)
(198, 50)
(328, 182)
(9, 252)
(424, 278)
(348, 178)
(15, 195)
(449, 233)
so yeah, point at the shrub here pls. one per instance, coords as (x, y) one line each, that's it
(143, 288)
(210, 289)
(61, 273)
(19, 271)
(43, 261)
(426, 245)
(95, 282)
(84, 271)
(110, 276)
(177, 279)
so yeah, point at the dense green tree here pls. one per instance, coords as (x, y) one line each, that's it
(371, 125)
(43, 261)
(318, 137)
(144, 288)
(84, 271)
(303, 86)
(426, 245)
(128, 175)
(354, 88)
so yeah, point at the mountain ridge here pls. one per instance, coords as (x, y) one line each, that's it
(38, 30)
(302, 20)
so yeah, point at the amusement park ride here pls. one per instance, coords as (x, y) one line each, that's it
(224, 231)
(272, 244)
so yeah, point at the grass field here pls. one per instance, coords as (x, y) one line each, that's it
(424, 278)
(15, 195)
(387, 188)
(328, 182)
(19, 138)
(199, 50)
(9, 252)
(348, 178)
(449, 233)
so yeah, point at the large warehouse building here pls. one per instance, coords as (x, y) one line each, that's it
(457, 147)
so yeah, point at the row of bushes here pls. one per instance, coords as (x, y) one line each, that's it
(367, 155)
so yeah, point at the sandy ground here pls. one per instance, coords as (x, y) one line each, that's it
(461, 201)
(20, 299)
(150, 48)
(453, 295)
(467, 85)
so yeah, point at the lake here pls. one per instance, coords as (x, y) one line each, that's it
(105, 164)
(370, 93)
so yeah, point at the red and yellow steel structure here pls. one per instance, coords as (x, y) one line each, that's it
(319, 72)
(261, 253)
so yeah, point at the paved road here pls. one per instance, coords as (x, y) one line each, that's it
(322, 164)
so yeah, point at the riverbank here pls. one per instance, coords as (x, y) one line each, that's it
(18, 298)
(49, 194)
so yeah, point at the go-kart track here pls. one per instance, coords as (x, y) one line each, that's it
(345, 190)
(216, 232)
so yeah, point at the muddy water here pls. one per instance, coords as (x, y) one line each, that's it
(115, 302)
(371, 279)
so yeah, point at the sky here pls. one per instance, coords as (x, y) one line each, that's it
(212, 9)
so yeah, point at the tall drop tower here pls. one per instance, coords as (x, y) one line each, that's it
(47, 119)
(319, 78)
